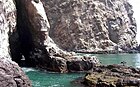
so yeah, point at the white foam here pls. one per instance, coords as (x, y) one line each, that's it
(28, 69)
(55, 85)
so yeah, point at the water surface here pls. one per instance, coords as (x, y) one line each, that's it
(130, 59)
(50, 79)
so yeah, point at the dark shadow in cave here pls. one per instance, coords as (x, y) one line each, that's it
(21, 39)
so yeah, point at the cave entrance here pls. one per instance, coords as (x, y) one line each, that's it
(20, 49)
(20, 40)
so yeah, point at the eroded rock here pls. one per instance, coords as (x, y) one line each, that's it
(7, 25)
(11, 75)
(113, 76)
(43, 52)
(81, 63)
(92, 25)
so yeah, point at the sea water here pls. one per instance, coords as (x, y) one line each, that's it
(51, 79)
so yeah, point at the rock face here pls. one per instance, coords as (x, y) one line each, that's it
(113, 76)
(11, 75)
(38, 48)
(7, 25)
(91, 25)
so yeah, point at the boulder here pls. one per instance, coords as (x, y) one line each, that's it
(81, 63)
(57, 64)
(112, 76)
(11, 75)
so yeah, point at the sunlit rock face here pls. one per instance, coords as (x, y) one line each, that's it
(7, 25)
(91, 25)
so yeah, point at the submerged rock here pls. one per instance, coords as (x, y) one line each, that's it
(113, 76)
(92, 25)
(11, 75)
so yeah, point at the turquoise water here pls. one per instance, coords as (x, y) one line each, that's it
(130, 59)
(50, 79)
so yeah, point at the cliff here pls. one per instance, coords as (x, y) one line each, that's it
(7, 25)
(11, 75)
(85, 26)
(37, 48)
(92, 25)
(74, 25)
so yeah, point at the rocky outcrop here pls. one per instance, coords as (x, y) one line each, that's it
(112, 76)
(7, 25)
(40, 50)
(79, 63)
(11, 75)
(91, 25)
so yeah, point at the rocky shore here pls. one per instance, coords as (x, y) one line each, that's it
(38, 36)
(111, 76)
(44, 34)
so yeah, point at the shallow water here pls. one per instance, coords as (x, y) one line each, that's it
(130, 59)
(50, 79)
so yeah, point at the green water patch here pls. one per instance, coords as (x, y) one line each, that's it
(50, 79)
(130, 59)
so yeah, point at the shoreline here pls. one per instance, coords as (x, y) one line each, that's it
(109, 52)
(110, 76)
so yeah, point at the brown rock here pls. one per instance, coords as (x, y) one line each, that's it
(113, 76)
(80, 63)
(11, 75)
(57, 64)
(41, 50)
(91, 26)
